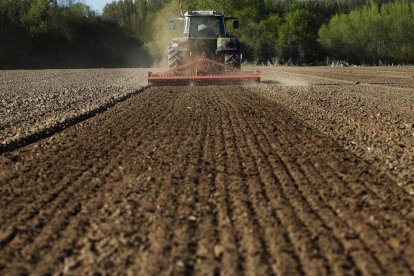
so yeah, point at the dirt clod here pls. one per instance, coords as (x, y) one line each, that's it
(218, 250)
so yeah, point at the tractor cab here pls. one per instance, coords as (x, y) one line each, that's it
(204, 24)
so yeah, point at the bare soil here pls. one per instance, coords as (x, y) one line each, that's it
(36, 103)
(258, 180)
(369, 111)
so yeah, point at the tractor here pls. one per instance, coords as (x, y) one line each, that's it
(205, 54)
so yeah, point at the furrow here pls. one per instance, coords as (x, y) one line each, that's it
(368, 233)
(47, 188)
(193, 179)
(68, 185)
(304, 214)
(252, 245)
(372, 193)
(62, 219)
(391, 227)
(231, 257)
(279, 249)
(209, 250)
(371, 238)
(157, 228)
(175, 233)
(286, 162)
(184, 224)
(338, 206)
(115, 176)
(58, 239)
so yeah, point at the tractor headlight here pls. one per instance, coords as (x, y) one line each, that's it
(175, 45)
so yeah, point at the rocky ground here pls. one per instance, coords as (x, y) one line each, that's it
(310, 172)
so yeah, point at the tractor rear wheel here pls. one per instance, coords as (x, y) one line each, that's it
(174, 58)
(233, 59)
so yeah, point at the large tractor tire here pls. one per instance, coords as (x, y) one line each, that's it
(233, 59)
(174, 58)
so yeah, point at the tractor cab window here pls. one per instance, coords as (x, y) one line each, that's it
(204, 26)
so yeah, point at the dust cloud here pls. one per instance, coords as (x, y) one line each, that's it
(162, 34)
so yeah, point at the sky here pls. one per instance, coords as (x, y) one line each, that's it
(97, 5)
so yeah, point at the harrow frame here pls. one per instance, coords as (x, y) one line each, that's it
(203, 71)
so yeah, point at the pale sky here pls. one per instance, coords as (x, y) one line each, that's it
(97, 5)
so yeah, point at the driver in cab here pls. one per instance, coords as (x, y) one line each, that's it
(205, 31)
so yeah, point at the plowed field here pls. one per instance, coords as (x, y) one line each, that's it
(273, 179)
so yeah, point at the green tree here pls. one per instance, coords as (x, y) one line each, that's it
(41, 16)
(226, 6)
(372, 34)
(120, 12)
(399, 17)
(267, 38)
(298, 36)
(72, 18)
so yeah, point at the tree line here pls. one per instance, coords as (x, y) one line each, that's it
(67, 33)
(314, 32)
(64, 34)
(372, 34)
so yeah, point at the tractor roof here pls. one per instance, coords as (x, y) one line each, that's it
(204, 13)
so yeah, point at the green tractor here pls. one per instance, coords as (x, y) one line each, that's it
(205, 34)
(205, 53)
